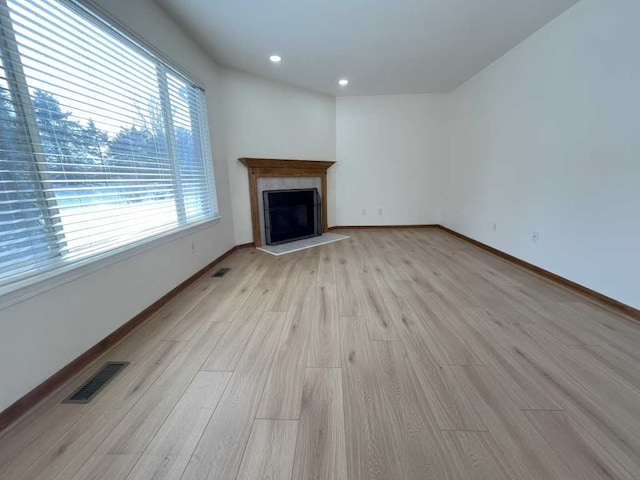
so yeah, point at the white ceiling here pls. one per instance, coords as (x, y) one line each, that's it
(381, 46)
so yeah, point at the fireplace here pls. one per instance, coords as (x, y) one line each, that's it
(280, 174)
(291, 214)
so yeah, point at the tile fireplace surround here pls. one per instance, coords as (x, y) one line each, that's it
(277, 174)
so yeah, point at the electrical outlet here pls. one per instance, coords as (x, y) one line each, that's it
(494, 227)
(535, 236)
(379, 211)
(364, 211)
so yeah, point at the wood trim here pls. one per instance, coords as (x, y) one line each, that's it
(592, 295)
(255, 208)
(325, 221)
(273, 167)
(286, 164)
(21, 406)
(229, 252)
(378, 227)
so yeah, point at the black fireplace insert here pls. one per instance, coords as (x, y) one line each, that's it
(291, 215)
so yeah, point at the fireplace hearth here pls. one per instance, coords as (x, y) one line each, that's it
(291, 215)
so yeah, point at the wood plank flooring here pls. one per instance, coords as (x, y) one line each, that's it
(396, 354)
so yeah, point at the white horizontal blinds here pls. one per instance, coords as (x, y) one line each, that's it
(26, 239)
(200, 115)
(188, 111)
(107, 144)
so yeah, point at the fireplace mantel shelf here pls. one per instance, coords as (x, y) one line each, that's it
(278, 167)
(286, 164)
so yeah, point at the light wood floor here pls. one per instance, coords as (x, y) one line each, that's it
(397, 354)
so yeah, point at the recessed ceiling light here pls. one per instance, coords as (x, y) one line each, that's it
(344, 82)
(275, 58)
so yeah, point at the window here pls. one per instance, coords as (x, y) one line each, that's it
(102, 143)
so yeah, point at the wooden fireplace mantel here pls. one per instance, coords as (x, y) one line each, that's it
(274, 167)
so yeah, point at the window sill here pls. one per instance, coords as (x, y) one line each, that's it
(30, 287)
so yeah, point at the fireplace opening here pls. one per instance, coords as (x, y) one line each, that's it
(291, 215)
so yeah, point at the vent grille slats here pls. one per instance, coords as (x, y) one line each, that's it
(91, 387)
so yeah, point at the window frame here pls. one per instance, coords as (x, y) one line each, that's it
(65, 271)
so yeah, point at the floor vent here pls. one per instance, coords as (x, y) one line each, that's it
(96, 383)
(221, 272)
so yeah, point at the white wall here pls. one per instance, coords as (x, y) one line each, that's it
(44, 333)
(266, 119)
(547, 138)
(389, 150)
